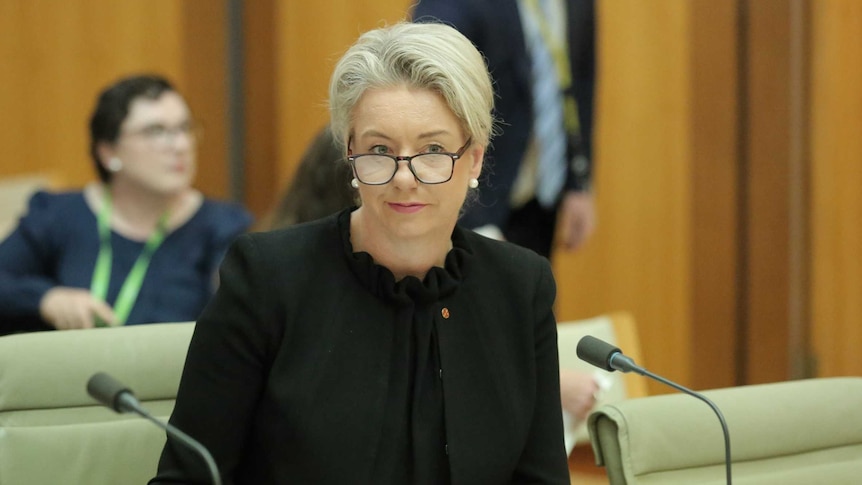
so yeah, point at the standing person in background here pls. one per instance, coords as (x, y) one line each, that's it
(139, 246)
(541, 55)
(321, 185)
(383, 344)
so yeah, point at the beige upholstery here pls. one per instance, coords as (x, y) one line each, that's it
(52, 432)
(617, 328)
(14, 194)
(796, 432)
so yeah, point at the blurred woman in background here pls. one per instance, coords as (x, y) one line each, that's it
(141, 245)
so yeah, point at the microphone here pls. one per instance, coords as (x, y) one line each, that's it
(610, 358)
(112, 394)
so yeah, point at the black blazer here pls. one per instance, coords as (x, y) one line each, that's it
(286, 374)
(494, 26)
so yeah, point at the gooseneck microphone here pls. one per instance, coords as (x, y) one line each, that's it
(605, 356)
(111, 393)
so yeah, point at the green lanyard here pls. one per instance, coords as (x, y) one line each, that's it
(102, 272)
(559, 48)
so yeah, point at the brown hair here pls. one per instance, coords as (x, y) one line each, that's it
(320, 187)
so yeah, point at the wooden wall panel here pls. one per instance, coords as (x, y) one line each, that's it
(58, 55)
(767, 185)
(203, 64)
(715, 207)
(640, 257)
(836, 169)
(260, 85)
(307, 39)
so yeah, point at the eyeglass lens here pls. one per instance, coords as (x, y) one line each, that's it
(429, 168)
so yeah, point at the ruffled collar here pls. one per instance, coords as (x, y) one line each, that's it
(438, 282)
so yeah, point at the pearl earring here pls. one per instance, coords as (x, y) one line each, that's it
(115, 164)
(354, 183)
(473, 183)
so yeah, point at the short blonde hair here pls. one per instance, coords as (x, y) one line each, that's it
(427, 55)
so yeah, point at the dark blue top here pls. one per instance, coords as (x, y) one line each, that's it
(57, 241)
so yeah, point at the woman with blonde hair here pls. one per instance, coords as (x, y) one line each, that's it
(383, 344)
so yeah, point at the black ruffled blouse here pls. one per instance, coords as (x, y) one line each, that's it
(413, 439)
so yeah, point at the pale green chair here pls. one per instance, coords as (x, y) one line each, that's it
(790, 433)
(14, 193)
(52, 432)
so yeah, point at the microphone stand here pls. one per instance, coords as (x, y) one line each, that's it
(714, 408)
(119, 398)
(187, 440)
(620, 362)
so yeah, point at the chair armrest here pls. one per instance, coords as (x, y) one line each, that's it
(674, 432)
(43, 370)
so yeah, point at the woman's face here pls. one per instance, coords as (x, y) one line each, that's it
(157, 145)
(407, 121)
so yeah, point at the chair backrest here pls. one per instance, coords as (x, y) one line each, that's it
(52, 432)
(617, 328)
(795, 432)
(14, 193)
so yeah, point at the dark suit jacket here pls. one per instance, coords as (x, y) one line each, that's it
(286, 374)
(494, 26)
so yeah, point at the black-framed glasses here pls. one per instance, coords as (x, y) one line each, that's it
(162, 136)
(428, 168)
